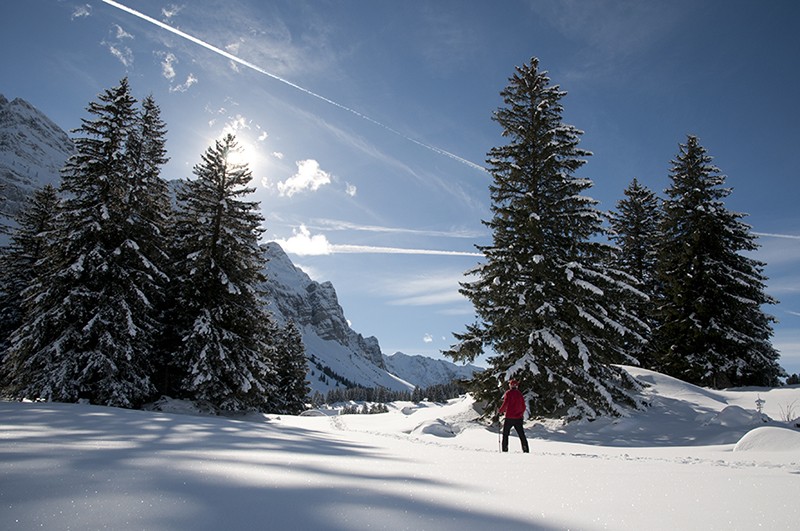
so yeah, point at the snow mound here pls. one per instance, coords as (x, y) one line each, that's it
(313, 413)
(736, 417)
(436, 427)
(769, 439)
(166, 404)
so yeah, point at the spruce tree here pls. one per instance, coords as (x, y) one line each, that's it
(22, 261)
(150, 209)
(290, 362)
(224, 331)
(90, 327)
(635, 230)
(713, 331)
(551, 310)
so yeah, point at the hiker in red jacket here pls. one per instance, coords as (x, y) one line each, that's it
(513, 408)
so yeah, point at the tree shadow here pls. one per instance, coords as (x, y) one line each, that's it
(96, 467)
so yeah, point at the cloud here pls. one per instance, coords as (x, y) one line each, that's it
(429, 289)
(333, 224)
(116, 47)
(427, 338)
(191, 79)
(121, 33)
(170, 11)
(167, 70)
(81, 11)
(303, 243)
(309, 176)
(351, 190)
(278, 155)
(123, 53)
(263, 136)
(374, 249)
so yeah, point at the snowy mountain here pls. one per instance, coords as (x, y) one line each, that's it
(33, 150)
(337, 354)
(424, 371)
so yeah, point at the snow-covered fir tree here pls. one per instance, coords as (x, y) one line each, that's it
(712, 328)
(290, 362)
(90, 328)
(635, 229)
(225, 350)
(21, 261)
(150, 207)
(556, 317)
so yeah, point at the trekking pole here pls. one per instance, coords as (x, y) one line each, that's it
(499, 435)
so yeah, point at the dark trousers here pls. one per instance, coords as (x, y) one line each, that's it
(517, 424)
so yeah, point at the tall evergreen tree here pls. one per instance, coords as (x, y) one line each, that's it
(22, 261)
(549, 306)
(713, 331)
(293, 389)
(150, 207)
(635, 230)
(90, 327)
(225, 351)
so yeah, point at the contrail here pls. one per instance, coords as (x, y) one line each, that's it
(344, 248)
(771, 235)
(334, 224)
(260, 70)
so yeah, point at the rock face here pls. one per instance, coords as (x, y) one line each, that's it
(32, 152)
(333, 348)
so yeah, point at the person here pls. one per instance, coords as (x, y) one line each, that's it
(513, 408)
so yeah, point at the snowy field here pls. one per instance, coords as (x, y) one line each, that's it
(696, 459)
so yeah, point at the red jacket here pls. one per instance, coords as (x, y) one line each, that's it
(513, 404)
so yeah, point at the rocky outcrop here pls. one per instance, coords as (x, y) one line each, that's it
(314, 307)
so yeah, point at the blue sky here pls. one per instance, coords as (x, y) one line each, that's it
(366, 123)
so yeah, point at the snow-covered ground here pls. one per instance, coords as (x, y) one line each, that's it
(696, 459)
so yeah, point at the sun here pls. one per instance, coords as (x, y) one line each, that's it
(244, 154)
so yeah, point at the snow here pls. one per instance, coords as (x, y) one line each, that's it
(695, 459)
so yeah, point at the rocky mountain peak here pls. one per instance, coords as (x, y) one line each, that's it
(33, 150)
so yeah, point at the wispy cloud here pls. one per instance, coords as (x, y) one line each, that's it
(170, 11)
(168, 60)
(115, 44)
(777, 250)
(612, 32)
(120, 33)
(428, 289)
(82, 11)
(334, 224)
(191, 79)
(303, 243)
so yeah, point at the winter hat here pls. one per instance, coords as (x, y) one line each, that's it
(513, 383)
